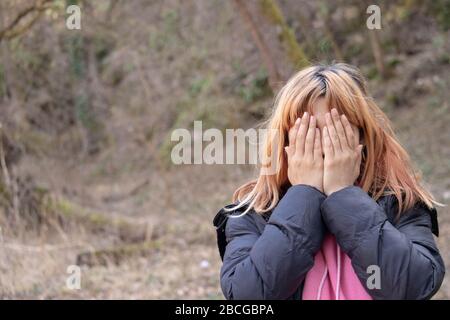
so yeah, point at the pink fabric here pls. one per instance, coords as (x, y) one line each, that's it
(332, 277)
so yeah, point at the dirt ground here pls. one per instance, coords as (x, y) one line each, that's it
(142, 229)
(180, 206)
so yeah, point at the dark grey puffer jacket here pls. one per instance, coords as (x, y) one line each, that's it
(267, 257)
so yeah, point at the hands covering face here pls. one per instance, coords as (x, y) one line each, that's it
(340, 165)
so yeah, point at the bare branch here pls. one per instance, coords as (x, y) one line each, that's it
(16, 28)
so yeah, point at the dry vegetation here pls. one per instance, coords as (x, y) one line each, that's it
(86, 116)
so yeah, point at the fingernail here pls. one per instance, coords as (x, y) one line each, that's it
(305, 114)
(297, 121)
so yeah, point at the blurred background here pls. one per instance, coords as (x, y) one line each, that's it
(86, 117)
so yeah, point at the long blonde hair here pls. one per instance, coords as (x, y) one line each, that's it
(385, 167)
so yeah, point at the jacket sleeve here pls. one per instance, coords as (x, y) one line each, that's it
(272, 264)
(409, 262)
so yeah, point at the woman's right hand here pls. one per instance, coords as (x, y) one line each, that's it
(304, 153)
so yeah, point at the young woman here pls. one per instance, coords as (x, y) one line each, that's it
(344, 215)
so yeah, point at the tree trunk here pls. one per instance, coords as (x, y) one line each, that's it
(295, 52)
(5, 64)
(377, 52)
(274, 75)
(303, 22)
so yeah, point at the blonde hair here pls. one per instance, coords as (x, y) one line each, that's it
(385, 167)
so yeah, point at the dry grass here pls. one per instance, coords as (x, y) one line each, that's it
(184, 263)
(178, 258)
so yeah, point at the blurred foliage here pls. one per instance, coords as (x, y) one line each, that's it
(257, 88)
(166, 64)
(76, 56)
(2, 81)
(441, 9)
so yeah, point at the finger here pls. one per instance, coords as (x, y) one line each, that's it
(358, 160)
(293, 132)
(359, 152)
(317, 146)
(288, 151)
(348, 132)
(309, 142)
(327, 145)
(339, 128)
(301, 134)
(332, 134)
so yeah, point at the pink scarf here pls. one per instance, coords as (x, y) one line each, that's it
(332, 277)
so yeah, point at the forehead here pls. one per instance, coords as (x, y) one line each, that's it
(320, 107)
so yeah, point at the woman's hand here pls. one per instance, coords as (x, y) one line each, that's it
(342, 153)
(305, 162)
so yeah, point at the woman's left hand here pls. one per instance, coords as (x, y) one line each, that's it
(342, 153)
